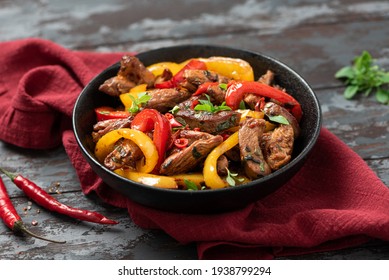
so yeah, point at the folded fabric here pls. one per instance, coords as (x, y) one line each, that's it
(335, 201)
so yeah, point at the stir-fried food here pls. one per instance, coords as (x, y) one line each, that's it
(204, 123)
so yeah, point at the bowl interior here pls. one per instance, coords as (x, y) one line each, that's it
(208, 200)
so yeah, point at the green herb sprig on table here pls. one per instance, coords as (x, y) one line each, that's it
(365, 77)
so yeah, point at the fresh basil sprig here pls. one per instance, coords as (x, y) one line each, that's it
(278, 119)
(206, 105)
(365, 77)
(142, 99)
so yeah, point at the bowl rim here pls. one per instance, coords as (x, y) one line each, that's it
(295, 160)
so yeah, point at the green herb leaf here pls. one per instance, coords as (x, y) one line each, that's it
(223, 86)
(231, 178)
(278, 119)
(242, 105)
(142, 99)
(191, 186)
(345, 72)
(350, 91)
(365, 77)
(175, 109)
(134, 106)
(206, 105)
(382, 96)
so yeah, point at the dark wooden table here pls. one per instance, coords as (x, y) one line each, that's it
(315, 38)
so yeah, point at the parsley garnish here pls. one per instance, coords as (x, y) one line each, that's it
(206, 105)
(365, 77)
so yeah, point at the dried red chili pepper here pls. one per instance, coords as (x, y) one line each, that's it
(11, 217)
(45, 200)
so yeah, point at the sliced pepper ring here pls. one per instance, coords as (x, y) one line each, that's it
(106, 144)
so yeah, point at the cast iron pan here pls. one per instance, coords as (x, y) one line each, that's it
(206, 201)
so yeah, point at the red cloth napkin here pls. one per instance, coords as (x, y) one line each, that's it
(335, 201)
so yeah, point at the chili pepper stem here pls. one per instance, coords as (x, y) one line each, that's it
(19, 227)
(8, 174)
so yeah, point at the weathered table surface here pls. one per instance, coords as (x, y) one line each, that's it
(315, 38)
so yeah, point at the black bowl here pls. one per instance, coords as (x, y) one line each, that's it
(206, 201)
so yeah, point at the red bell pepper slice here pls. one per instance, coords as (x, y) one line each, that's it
(193, 64)
(203, 88)
(237, 90)
(108, 113)
(151, 119)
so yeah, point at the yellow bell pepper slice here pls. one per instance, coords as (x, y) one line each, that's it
(211, 178)
(250, 113)
(159, 181)
(234, 68)
(158, 68)
(196, 178)
(253, 114)
(256, 115)
(106, 144)
(134, 92)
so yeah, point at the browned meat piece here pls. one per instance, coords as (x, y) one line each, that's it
(165, 76)
(164, 100)
(209, 122)
(103, 127)
(273, 109)
(116, 85)
(216, 94)
(194, 78)
(132, 72)
(267, 78)
(252, 158)
(193, 135)
(198, 77)
(279, 148)
(251, 100)
(233, 154)
(125, 153)
(187, 159)
(222, 165)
